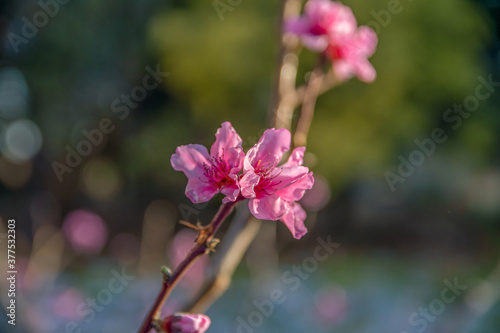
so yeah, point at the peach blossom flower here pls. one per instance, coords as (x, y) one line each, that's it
(209, 174)
(273, 190)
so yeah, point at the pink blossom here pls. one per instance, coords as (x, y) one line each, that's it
(349, 55)
(331, 28)
(186, 323)
(273, 190)
(209, 174)
(323, 22)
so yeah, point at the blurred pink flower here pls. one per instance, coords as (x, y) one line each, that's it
(331, 305)
(331, 27)
(67, 302)
(186, 323)
(182, 243)
(85, 231)
(209, 174)
(322, 23)
(273, 190)
(350, 55)
(319, 196)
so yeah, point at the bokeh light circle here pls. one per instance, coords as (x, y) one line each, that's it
(21, 141)
(85, 231)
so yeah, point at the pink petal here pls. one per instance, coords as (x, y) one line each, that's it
(200, 190)
(332, 17)
(296, 25)
(247, 184)
(231, 192)
(286, 176)
(296, 182)
(321, 12)
(344, 24)
(315, 43)
(294, 220)
(296, 157)
(186, 323)
(228, 146)
(314, 8)
(342, 69)
(268, 151)
(190, 160)
(270, 207)
(365, 71)
(366, 41)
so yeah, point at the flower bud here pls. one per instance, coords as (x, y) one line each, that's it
(185, 323)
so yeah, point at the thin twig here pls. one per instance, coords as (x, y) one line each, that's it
(281, 107)
(204, 243)
(309, 103)
(328, 81)
(236, 241)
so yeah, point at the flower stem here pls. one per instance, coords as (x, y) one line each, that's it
(307, 111)
(311, 93)
(283, 94)
(231, 250)
(203, 246)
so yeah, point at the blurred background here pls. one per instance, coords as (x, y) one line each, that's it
(96, 95)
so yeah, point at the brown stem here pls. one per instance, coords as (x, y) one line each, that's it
(286, 70)
(236, 241)
(309, 103)
(203, 246)
(328, 81)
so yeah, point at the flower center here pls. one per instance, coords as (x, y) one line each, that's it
(336, 52)
(317, 30)
(267, 184)
(218, 172)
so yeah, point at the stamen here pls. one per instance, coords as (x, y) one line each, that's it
(218, 172)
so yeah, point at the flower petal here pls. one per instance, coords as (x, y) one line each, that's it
(296, 25)
(295, 181)
(267, 153)
(231, 192)
(186, 323)
(190, 159)
(366, 41)
(315, 43)
(365, 71)
(350, 55)
(200, 190)
(342, 70)
(270, 207)
(296, 157)
(344, 22)
(228, 146)
(322, 13)
(247, 184)
(294, 220)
